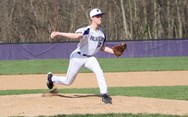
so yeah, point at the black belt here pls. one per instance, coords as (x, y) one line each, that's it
(84, 54)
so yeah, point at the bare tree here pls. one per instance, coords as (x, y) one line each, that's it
(127, 33)
(28, 21)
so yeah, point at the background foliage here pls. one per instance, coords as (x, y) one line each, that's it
(34, 20)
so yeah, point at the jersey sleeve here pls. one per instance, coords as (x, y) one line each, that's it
(80, 30)
(84, 30)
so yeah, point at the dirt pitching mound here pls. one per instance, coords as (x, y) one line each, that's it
(47, 104)
(37, 104)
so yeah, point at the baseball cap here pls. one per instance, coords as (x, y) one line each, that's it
(95, 12)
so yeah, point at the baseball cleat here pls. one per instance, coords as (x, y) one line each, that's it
(106, 99)
(49, 82)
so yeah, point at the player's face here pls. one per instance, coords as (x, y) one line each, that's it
(97, 19)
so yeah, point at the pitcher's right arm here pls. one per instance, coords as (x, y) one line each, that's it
(68, 35)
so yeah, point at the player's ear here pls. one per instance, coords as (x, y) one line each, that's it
(92, 18)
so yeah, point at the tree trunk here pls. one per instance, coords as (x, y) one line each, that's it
(180, 35)
(125, 26)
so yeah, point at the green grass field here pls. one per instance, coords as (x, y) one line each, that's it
(162, 92)
(108, 65)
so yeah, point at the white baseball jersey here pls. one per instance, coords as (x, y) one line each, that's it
(92, 42)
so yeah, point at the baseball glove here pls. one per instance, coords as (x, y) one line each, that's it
(119, 49)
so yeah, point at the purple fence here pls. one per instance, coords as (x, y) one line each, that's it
(156, 48)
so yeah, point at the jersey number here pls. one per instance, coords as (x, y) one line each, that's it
(99, 44)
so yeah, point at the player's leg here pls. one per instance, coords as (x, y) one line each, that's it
(94, 66)
(75, 64)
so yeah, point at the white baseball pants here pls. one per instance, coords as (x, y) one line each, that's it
(76, 62)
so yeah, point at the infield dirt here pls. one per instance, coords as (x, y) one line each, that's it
(37, 104)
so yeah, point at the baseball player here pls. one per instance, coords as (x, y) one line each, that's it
(92, 39)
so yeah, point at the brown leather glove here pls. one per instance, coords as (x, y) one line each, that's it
(119, 49)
